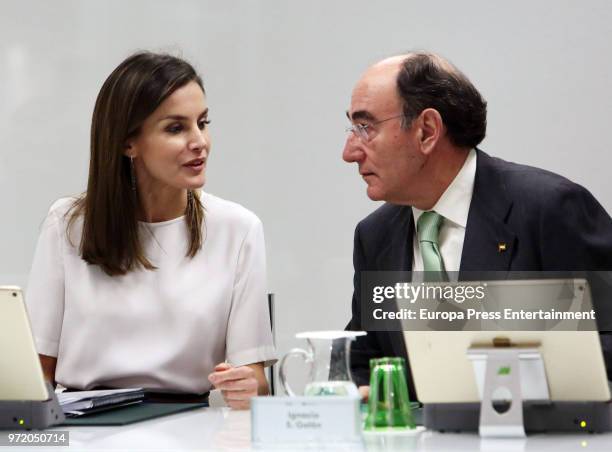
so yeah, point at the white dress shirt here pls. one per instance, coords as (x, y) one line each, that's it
(454, 206)
(164, 329)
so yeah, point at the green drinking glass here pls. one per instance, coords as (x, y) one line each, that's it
(388, 403)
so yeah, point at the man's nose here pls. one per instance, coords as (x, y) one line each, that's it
(352, 150)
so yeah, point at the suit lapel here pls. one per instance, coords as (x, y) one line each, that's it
(489, 242)
(396, 255)
(396, 251)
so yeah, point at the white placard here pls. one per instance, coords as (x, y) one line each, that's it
(286, 420)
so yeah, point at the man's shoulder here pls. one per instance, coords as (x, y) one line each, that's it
(523, 181)
(539, 198)
(386, 216)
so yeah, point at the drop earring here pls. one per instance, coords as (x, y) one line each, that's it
(132, 174)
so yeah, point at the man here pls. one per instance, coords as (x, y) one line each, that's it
(416, 122)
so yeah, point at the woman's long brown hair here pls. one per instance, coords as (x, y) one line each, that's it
(110, 205)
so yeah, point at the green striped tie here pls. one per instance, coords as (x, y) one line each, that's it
(428, 227)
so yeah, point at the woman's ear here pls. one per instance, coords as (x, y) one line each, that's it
(129, 150)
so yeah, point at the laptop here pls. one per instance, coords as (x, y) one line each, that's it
(21, 375)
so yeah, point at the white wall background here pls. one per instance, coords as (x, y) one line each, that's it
(279, 76)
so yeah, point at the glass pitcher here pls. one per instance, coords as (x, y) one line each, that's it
(328, 359)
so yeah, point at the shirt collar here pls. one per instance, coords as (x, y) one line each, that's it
(454, 204)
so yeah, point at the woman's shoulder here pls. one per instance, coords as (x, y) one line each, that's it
(61, 207)
(59, 217)
(220, 210)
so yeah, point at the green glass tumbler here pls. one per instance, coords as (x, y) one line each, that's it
(388, 403)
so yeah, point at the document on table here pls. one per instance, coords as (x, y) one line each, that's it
(85, 402)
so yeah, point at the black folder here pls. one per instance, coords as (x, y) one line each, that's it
(133, 413)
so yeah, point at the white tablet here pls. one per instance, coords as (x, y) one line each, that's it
(21, 376)
(573, 360)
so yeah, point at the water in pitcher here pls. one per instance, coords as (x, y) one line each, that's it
(331, 388)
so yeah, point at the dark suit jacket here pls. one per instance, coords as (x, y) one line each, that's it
(547, 222)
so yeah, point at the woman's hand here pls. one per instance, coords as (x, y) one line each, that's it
(48, 364)
(239, 384)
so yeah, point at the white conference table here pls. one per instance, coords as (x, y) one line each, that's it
(224, 429)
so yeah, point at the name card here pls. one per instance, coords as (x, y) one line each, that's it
(321, 419)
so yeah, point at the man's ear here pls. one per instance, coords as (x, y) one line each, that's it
(431, 125)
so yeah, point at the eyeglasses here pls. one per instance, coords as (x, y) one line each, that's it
(365, 131)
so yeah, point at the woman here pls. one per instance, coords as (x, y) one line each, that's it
(145, 281)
